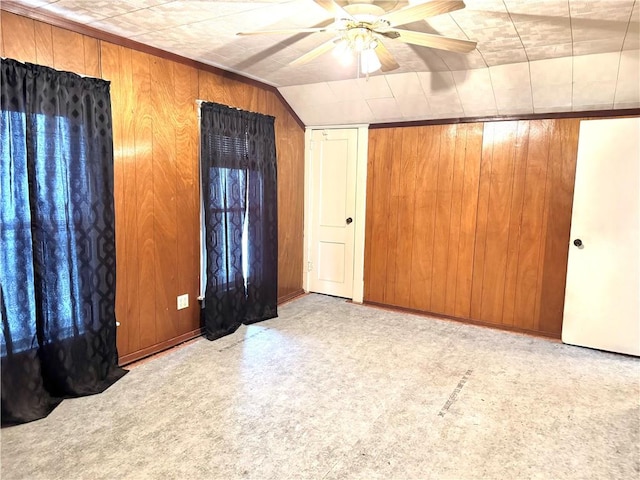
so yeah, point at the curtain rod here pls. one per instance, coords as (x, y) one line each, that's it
(200, 101)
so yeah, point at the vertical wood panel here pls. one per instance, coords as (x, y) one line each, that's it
(164, 199)
(515, 222)
(44, 44)
(91, 57)
(125, 84)
(392, 220)
(468, 221)
(18, 35)
(377, 214)
(2, 13)
(453, 241)
(406, 198)
(498, 218)
(144, 195)
(532, 225)
(562, 161)
(491, 215)
(424, 215)
(484, 189)
(186, 134)
(68, 50)
(442, 225)
(111, 63)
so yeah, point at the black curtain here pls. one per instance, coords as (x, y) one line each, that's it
(57, 260)
(240, 202)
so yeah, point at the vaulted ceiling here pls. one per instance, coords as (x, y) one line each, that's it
(532, 56)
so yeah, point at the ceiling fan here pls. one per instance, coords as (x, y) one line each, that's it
(361, 26)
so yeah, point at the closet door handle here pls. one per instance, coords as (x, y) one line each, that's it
(577, 242)
(349, 220)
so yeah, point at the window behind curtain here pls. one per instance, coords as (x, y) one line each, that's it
(239, 201)
(57, 231)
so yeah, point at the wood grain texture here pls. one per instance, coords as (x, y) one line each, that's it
(489, 224)
(44, 44)
(562, 161)
(186, 122)
(424, 216)
(18, 37)
(156, 175)
(164, 199)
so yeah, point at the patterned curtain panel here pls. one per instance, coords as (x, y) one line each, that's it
(57, 260)
(240, 201)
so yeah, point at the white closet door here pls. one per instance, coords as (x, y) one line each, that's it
(602, 301)
(333, 170)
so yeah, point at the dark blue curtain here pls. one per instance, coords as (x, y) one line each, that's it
(240, 201)
(57, 259)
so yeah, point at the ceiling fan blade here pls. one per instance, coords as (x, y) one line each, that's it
(386, 58)
(316, 52)
(291, 31)
(436, 41)
(334, 9)
(422, 11)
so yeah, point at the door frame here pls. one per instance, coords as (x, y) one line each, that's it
(361, 201)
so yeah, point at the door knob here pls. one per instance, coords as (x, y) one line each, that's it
(349, 220)
(577, 242)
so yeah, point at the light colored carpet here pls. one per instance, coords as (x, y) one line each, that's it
(333, 390)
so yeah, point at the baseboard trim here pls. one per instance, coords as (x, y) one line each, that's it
(478, 323)
(159, 347)
(185, 337)
(290, 296)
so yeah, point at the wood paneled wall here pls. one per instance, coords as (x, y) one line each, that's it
(155, 128)
(472, 220)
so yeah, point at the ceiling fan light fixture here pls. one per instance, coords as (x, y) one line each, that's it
(369, 62)
(343, 52)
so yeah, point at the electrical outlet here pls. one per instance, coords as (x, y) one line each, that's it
(183, 301)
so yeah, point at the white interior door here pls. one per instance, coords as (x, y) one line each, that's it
(333, 205)
(602, 301)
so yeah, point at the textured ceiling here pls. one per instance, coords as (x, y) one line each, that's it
(532, 56)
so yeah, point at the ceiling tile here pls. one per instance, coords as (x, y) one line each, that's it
(594, 106)
(598, 46)
(106, 8)
(632, 38)
(434, 83)
(374, 87)
(412, 106)
(627, 105)
(515, 98)
(628, 85)
(560, 95)
(553, 71)
(474, 86)
(600, 67)
(75, 13)
(309, 94)
(384, 109)
(551, 109)
(549, 51)
(554, 30)
(505, 56)
(446, 105)
(508, 76)
(338, 113)
(404, 84)
(590, 93)
(480, 111)
(345, 90)
(543, 10)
